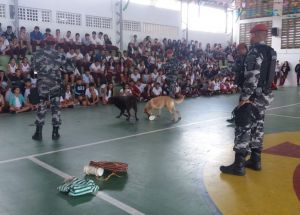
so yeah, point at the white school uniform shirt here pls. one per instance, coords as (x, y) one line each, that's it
(68, 39)
(135, 77)
(141, 87)
(127, 92)
(154, 76)
(101, 41)
(78, 56)
(18, 103)
(68, 95)
(95, 41)
(69, 55)
(87, 78)
(4, 45)
(88, 93)
(95, 68)
(25, 68)
(156, 91)
(12, 69)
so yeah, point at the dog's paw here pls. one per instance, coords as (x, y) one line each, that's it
(118, 117)
(127, 119)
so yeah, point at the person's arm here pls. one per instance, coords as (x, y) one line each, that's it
(252, 74)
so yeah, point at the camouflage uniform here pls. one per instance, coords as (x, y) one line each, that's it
(249, 135)
(172, 68)
(47, 63)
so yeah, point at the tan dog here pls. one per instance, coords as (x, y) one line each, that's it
(160, 102)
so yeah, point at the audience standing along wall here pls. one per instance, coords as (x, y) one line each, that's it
(92, 15)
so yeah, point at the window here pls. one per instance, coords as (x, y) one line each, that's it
(291, 7)
(258, 8)
(160, 29)
(290, 36)
(46, 15)
(32, 14)
(2, 10)
(245, 32)
(203, 18)
(98, 22)
(131, 25)
(68, 18)
(29, 14)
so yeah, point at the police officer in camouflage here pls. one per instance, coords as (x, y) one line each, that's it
(172, 68)
(256, 97)
(238, 69)
(47, 63)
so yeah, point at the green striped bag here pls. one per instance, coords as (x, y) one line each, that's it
(78, 187)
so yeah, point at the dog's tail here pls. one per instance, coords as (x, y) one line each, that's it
(179, 100)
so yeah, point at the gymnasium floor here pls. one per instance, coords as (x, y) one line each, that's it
(173, 168)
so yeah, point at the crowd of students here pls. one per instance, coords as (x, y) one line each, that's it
(96, 70)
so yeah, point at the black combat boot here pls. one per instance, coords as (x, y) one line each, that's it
(238, 166)
(230, 120)
(55, 134)
(255, 160)
(38, 133)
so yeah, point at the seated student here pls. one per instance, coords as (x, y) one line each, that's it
(156, 90)
(135, 76)
(11, 67)
(79, 91)
(67, 101)
(24, 66)
(177, 90)
(187, 89)
(15, 48)
(36, 38)
(4, 46)
(126, 91)
(92, 95)
(27, 89)
(3, 80)
(224, 87)
(87, 78)
(232, 87)
(135, 90)
(216, 87)
(17, 80)
(17, 102)
(33, 98)
(2, 102)
(106, 93)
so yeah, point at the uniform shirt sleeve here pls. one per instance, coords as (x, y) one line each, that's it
(252, 73)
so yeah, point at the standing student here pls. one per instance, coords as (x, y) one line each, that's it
(297, 70)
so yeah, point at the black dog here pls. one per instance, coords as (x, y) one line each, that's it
(125, 103)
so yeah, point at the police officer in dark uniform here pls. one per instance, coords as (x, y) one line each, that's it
(47, 63)
(238, 69)
(172, 68)
(256, 97)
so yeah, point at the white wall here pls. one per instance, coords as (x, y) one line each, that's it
(290, 55)
(206, 37)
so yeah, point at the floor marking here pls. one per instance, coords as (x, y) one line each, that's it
(124, 137)
(286, 116)
(100, 194)
(274, 108)
(108, 140)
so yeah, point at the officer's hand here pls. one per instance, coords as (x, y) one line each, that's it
(244, 102)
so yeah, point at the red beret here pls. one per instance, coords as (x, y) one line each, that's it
(259, 27)
(169, 51)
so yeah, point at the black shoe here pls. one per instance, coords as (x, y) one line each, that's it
(38, 133)
(238, 166)
(55, 134)
(255, 160)
(230, 120)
